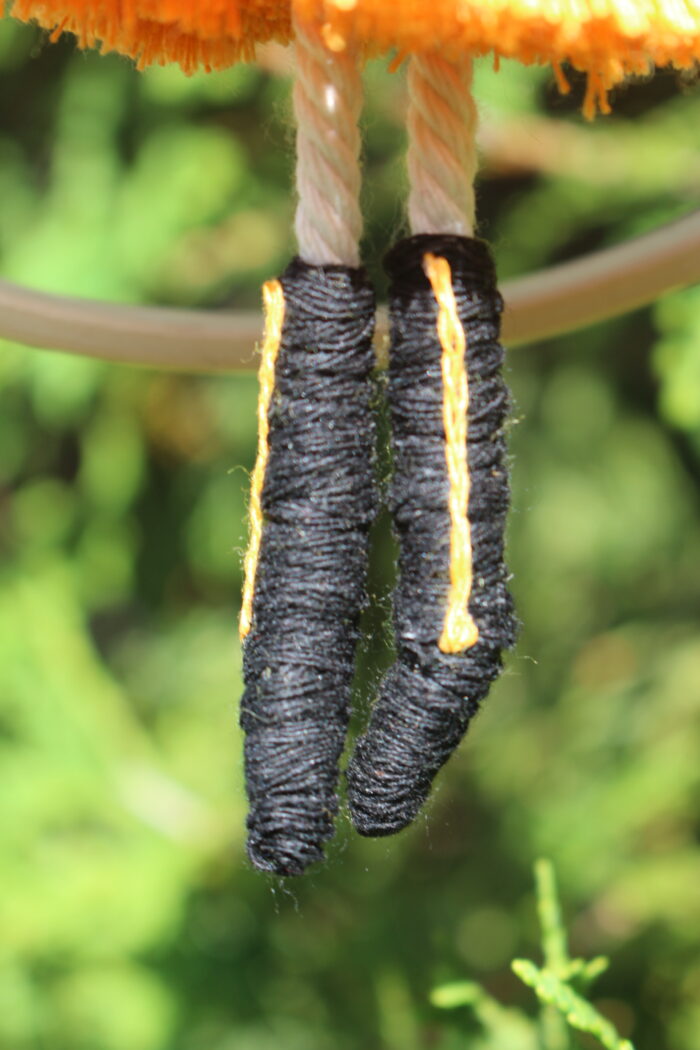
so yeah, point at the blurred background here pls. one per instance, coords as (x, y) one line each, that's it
(129, 918)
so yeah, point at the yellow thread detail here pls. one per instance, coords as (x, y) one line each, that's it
(459, 630)
(273, 298)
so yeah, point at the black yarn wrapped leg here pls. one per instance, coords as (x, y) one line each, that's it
(318, 503)
(428, 697)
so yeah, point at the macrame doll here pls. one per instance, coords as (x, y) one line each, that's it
(313, 497)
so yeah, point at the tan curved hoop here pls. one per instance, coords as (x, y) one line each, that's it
(541, 305)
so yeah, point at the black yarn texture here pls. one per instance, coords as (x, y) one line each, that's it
(318, 503)
(428, 697)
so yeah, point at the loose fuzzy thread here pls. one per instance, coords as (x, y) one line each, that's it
(273, 299)
(318, 502)
(428, 697)
(459, 631)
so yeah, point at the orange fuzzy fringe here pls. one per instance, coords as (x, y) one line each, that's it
(197, 34)
(607, 39)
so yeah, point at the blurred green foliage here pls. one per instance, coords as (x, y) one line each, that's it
(562, 986)
(129, 919)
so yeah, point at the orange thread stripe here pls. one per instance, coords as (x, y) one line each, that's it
(459, 631)
(273, 298)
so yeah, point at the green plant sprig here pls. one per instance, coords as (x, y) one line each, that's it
(560, 986)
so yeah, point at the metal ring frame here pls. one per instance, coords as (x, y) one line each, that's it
(551, 302)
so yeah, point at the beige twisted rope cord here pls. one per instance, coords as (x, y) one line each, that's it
(442, 159)
(538, 306)
(327, 104)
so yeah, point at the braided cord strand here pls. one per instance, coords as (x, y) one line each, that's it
(327, 104)
(442, 159)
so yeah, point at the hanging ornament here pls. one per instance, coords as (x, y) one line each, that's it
(313, 496)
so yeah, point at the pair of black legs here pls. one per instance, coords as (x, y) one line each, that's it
(318, 502)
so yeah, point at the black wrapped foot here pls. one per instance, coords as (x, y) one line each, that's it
(305, 583)
(452, 611)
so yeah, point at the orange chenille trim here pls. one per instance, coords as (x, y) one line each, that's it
(607, 39)
(273, 296)
(197, 34)
(459, 630)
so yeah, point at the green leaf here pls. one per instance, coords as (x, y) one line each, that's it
(579, 1013)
